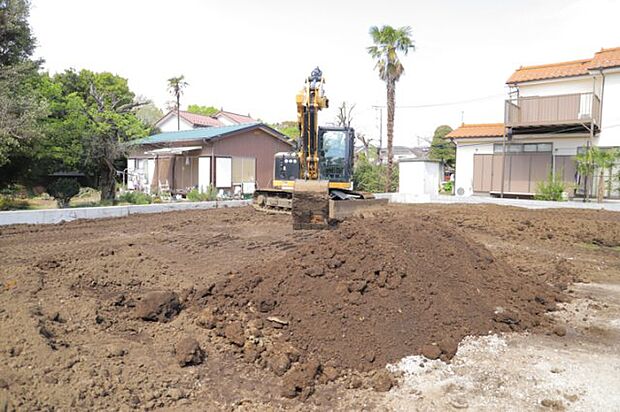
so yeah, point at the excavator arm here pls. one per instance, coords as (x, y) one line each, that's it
(310, 100)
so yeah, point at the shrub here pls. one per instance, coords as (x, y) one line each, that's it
(552, 189)
(136, 198)
(370, 177)
(195, 195)
(63, 190)
(446, 187)
(11, 203)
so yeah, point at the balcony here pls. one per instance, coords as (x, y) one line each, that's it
(550, 113)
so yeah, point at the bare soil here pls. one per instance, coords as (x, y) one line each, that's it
(233, 309)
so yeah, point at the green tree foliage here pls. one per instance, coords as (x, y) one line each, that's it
(16, 40)
(441, 148)
(63, 190)
(288, 127)
(20, 104)
(371, 177)
(149, 114)
(91, 119)
(388, 42)
(203, 110)
(593, 159)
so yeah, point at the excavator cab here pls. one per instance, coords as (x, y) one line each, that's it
(336, 150)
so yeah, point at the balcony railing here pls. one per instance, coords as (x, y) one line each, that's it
(564, 109)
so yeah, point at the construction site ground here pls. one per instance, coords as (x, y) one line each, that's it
(230, 309)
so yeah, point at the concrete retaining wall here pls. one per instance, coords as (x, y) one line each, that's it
(51, 216)
(611, 205)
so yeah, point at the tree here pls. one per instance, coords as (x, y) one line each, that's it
(441, 148)
(176, 85)
(16, 40)
(388, 43)
(366, 143)
(586, 168)
(93, 119)
(344, 116)
(203, 110)
(149, 114)
(289, 128)
(20, 104)
(589, 161)
(604, 160)
(369, 176)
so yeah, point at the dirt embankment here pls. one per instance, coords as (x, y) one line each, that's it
(371, 292)
(213, 309)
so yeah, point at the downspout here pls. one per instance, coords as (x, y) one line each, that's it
(503, 161)
(600, 108)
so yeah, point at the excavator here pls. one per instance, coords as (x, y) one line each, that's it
(314, 183)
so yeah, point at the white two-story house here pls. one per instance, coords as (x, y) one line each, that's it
(552, 112)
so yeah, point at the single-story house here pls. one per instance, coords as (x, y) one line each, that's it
(232, 159)
(172, 122)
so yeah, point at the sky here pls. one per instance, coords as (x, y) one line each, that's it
(250, 56)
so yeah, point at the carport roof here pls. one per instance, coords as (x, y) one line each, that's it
(206, 133)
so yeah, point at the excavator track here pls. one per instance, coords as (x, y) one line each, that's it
(339, 204)
(273, 201)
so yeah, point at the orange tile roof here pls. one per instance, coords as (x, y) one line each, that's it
(477, 130)
(550, 71)
(603, 59)
(606, 58)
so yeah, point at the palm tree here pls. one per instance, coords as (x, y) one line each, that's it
(591, 159)
(388, 42)
(175, 87)
(605, 160)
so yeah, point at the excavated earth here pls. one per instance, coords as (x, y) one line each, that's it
(232, 309)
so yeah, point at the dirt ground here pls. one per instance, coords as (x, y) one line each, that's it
(232, 309)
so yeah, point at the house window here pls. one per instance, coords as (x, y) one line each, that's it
(515, 148)
(523, 147)
(544, 147)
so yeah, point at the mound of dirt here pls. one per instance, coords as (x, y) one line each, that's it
(372, 291)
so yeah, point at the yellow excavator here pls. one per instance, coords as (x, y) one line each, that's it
(314, 182)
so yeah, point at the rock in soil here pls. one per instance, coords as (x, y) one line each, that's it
(234, 333)
(299, 381)
(382, 381)
(158, 306)
(431, 351)
(560, 330)
(188, 352)
(279, 363)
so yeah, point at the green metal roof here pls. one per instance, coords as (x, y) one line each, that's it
(194, 134)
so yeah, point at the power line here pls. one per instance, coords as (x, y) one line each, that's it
(421, 106)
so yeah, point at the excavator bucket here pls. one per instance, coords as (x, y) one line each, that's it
(340, 209)
(310, 207)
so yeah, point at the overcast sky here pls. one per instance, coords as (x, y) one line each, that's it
(251, 56)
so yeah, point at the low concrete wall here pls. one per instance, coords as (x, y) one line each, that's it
(611, 205)
(51, 216)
